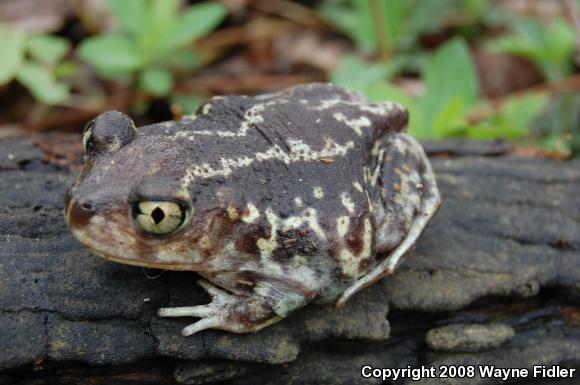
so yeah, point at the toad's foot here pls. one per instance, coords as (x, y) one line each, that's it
(226, 311)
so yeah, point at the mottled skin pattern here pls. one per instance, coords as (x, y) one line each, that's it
(310, 194)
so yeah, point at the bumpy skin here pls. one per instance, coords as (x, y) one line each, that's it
(308, 194)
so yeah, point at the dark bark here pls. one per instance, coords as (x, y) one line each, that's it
(505, 247)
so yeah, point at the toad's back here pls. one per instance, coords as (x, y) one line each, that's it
(297, 163)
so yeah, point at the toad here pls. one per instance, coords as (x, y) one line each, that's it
(306, 195)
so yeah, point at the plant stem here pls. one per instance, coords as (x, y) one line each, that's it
(380, 25)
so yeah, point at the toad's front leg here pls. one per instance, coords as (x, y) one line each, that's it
(226, 311)
(242, 313)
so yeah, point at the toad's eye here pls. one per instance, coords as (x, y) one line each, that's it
(158, 218)
(87, 135)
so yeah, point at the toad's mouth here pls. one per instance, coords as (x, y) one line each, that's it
(109, 236)
(148, 264)
(112, 250)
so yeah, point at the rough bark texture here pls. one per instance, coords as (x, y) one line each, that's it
(504, 248)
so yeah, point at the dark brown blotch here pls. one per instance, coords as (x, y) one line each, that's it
(246, 237)
(354, 238)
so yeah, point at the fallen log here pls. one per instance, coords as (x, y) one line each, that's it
(494, 280)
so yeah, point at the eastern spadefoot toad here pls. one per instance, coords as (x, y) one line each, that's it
(309, 194)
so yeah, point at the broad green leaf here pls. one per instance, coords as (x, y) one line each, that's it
(48, 49)
(381, 91)
(131, 15)
(158, 82)
(111, 54)
(195, 22)
(450, 74)
(516, 46)
(163, 12)
(64, 69)
(162, 16)
(354, 73)
(450, 119)
(485, 130)
(519, 112)
(188, 103)
(425, 16)
(42, 84)
(386, 91)
(513, 120)
(12, 44)
(476, 8)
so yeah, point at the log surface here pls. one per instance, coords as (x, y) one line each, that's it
(504, 248)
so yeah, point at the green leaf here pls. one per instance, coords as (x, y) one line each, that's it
(131, 15)
(450, 119)
(195, 22)
(42, 84)
(188, 103)
(425, 16)
(358, 22)
(386, 91)
(346, 20)
(549, 47)
(64, 69)
(12, 44)
(158, 82)
(450, 74)
(351, 21)
(111, 54)
(48, 49)
(513, 120)
(354, 73)
(163, 13)
(162, 16)
(519, 112)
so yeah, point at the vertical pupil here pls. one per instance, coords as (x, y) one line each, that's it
(157, 214)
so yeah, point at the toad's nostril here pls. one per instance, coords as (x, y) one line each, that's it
(87, 205)
(78, 214)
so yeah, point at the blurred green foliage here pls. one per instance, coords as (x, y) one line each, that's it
(152, 46)
(513, 120)
(450, 96)
(38, 63)
(449, 102)
(151, 42)
(549, 47)
(558, 128)
(402, 22)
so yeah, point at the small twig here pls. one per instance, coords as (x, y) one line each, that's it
(380, 25)
(289, 10)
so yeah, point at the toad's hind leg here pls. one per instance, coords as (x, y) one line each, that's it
(405, 199)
